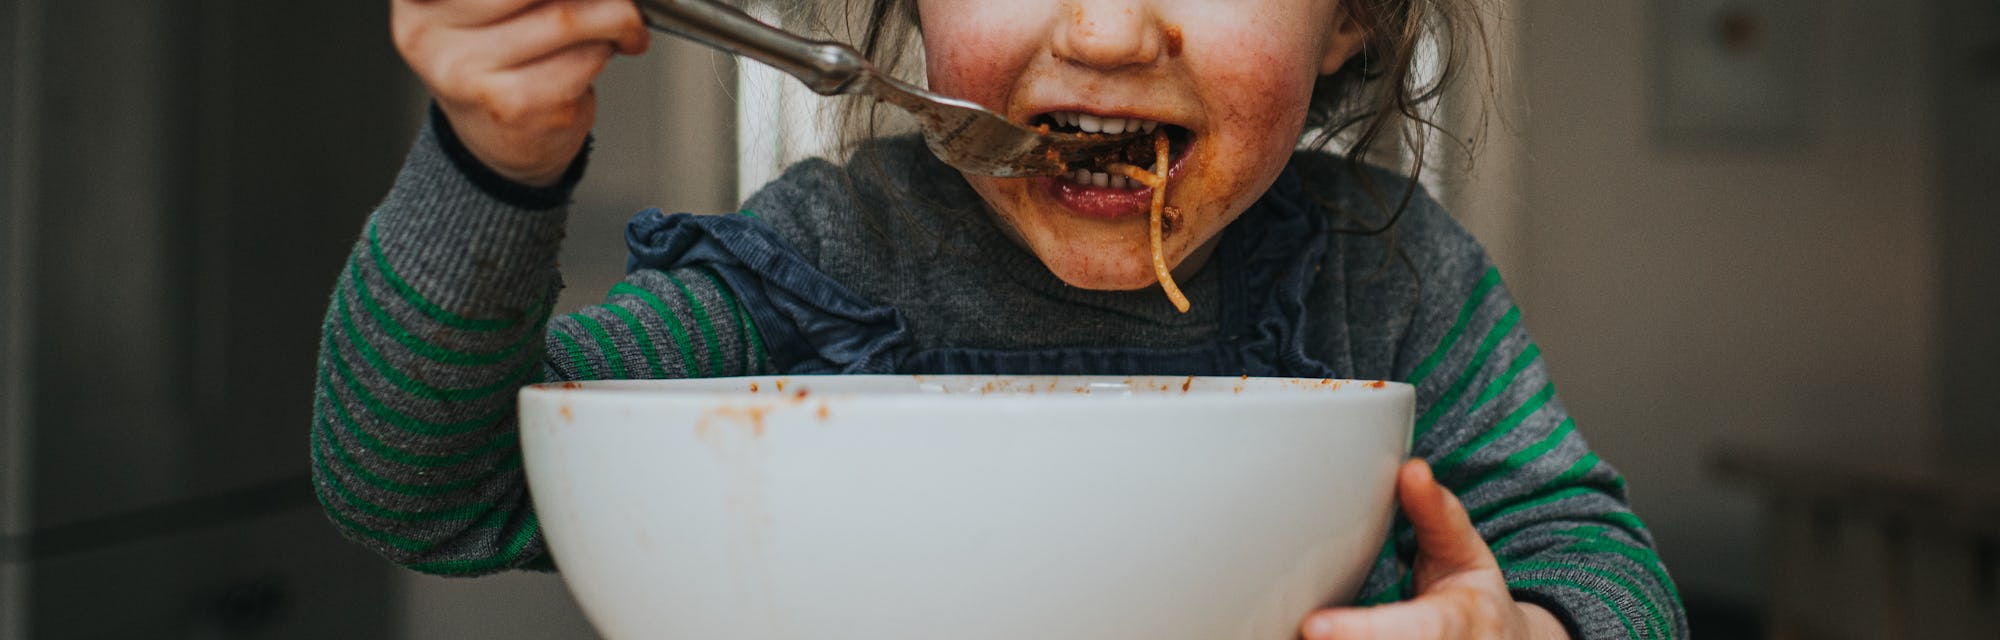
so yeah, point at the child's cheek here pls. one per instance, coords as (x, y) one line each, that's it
(971, 65)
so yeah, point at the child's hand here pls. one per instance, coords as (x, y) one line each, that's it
(1460, 592)
(514, 76)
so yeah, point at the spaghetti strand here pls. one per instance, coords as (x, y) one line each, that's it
(1154, 232)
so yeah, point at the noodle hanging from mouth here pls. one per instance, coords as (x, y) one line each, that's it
(1158, 183)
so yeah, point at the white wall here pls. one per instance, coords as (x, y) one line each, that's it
(1694, 298)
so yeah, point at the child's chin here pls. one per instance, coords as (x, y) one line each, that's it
(1125, 275)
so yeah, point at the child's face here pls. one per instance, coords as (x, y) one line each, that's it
(1229, 79)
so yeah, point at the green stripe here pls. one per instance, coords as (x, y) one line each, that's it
(701, 320)
(411, 545)
(323, 440)
(1479, 291)
(1444, 403)
(1574, 532)
(667, 317)
(1627, 520)
(505, 438)
(414, 490)
(1630, 631)
(1493, 389)
(576, 358)
(419, 346)
(1592, 539)
(511, 553)
(1523, 457)
(1507, 509)
(1577, 471)
(1498, 510)
(1645, 558)
(639, 335)
(410, 294)
(406, 544)
(1520, 414)
(610, 351)
(399, 419)
(736, 312)
(1653, 617)
(406, 384)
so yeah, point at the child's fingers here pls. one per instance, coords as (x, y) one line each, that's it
(1403, 620)
(562, 24)
(548, 88)
(1447, 543)
(465, 13)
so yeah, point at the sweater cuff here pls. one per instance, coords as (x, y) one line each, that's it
(459, 245)
(1599, 601)
(501, 187)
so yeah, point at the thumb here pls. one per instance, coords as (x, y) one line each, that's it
(1447, 543)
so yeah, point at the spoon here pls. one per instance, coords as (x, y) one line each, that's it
(961, 133)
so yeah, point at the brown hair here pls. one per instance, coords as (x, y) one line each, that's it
(1375, 106)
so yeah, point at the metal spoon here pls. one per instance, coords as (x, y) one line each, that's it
(961, 133)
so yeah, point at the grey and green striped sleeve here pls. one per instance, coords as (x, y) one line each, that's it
(441, 313)
(1493, 429)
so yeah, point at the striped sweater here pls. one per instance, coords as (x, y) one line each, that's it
(444, 309)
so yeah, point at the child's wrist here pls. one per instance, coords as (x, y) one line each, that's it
(1542, 624)
(518, 193)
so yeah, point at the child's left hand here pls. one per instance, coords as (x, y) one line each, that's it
(1460, 591)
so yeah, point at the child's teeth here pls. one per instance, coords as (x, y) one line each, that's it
(1100, 179)
(1102, 124)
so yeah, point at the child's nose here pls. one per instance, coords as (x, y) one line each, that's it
(1107, 34)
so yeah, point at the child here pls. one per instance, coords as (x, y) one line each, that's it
(898, 263)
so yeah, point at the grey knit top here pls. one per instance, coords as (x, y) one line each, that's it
(444, 310)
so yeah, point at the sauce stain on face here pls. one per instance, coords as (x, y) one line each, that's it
(1172, 34)
(566, 16)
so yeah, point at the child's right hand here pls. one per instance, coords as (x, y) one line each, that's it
(514, 76)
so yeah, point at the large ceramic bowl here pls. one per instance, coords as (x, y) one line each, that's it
(963, 507)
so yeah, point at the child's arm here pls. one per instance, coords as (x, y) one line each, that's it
(1553, 513)
(441, 313)
(1491, 426)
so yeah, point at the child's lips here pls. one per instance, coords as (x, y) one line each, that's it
(1108, 203)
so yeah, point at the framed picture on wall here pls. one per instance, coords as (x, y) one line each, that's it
(1733, 73)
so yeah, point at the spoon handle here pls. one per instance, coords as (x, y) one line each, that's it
(828, 68)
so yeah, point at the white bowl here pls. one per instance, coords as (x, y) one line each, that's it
(964, 507)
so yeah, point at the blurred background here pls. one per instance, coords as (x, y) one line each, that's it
(1753, 237)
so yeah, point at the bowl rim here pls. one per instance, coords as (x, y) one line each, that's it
(1061, 388)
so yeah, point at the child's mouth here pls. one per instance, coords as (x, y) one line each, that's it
(1139, 153)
